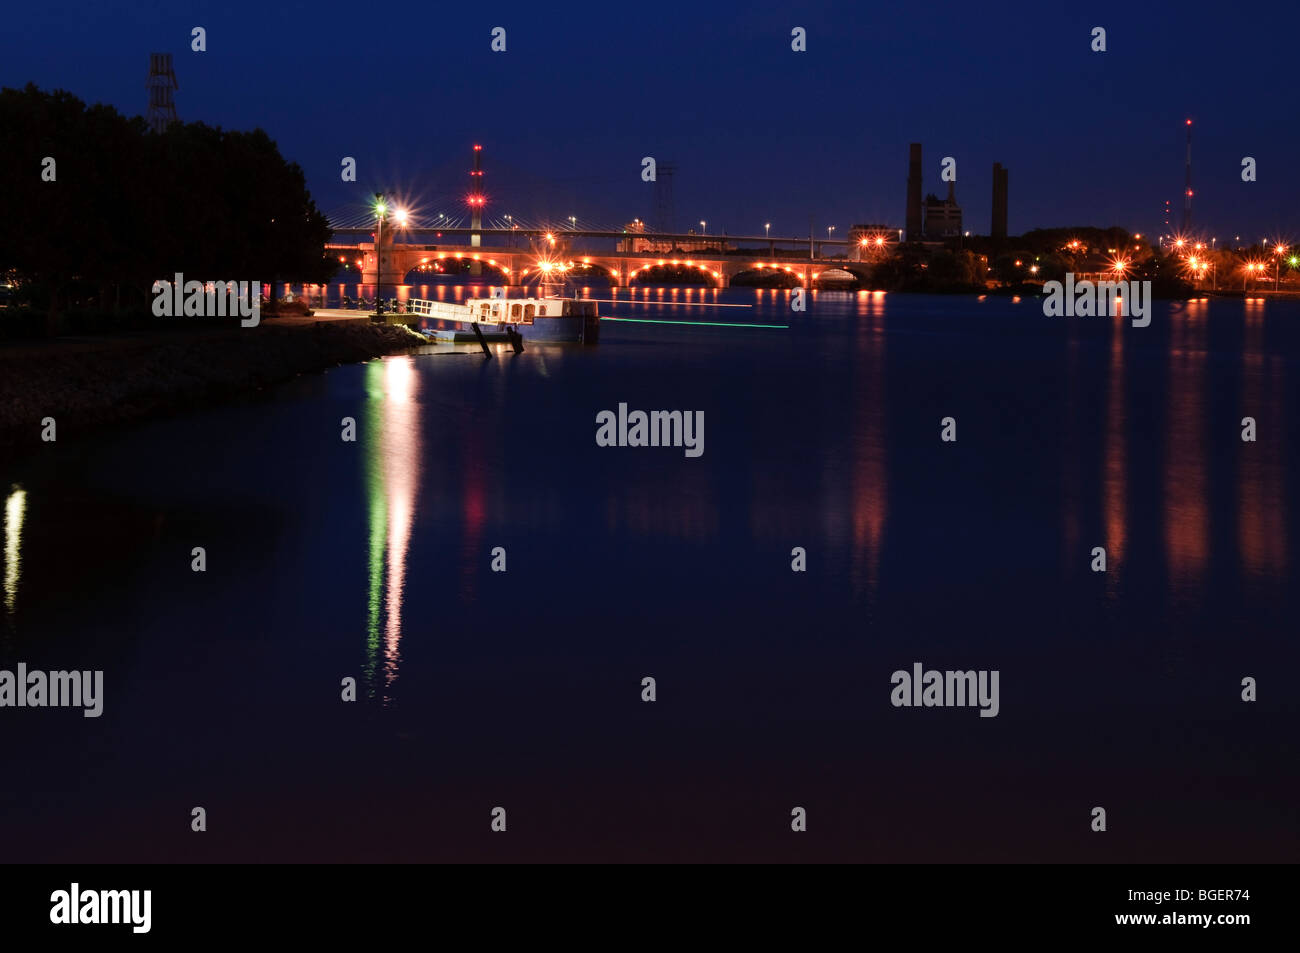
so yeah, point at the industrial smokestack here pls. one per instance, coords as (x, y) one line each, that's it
(914, 193)
(999, 223)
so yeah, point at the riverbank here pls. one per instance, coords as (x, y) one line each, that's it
(87, 382)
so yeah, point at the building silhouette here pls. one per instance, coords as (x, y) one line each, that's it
(942, 216)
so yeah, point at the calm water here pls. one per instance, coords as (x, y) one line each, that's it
(522, 689)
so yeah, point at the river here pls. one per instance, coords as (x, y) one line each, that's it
(372, 560)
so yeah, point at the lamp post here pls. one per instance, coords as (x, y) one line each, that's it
(380, 210)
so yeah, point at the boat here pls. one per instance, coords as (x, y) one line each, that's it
(536, 319)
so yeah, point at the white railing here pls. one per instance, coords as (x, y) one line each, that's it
(443, 310)
(487, 310)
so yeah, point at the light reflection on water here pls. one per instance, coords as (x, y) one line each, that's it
(1186, 513)
(15, 510)
(392, 448)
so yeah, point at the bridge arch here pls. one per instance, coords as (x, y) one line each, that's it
(587, 263)
(792, 277)
(702, 269)
(842, 272)
(428, 264)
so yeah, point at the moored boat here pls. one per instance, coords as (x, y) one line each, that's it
(546, 320)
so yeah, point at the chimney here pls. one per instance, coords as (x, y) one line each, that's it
(914, 193)
(999, 224)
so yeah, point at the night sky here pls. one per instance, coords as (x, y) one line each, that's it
(758, 133)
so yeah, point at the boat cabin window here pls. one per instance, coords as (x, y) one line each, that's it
(529, 310)
(515, 311)
(541, 310)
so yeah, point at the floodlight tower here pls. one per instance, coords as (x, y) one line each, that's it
(162, 81)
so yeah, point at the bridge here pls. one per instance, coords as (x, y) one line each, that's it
(493, 244)
(548, 254)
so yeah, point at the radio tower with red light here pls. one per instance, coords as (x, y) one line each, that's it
(1187, 191)
(476, 198)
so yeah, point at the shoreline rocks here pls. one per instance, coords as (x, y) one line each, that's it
(89, 382)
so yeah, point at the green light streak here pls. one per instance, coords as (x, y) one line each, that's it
(703, 324)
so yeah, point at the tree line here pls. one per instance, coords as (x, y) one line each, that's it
(96, 207)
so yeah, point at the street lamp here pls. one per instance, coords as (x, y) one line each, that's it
(1249, 270)
(767, 230)
(703, 226)
(829, 229)
(573, 221)
(381, 210)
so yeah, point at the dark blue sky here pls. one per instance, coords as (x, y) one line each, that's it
(758, 133)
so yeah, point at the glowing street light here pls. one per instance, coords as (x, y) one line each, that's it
(381, 209)
(703, 227)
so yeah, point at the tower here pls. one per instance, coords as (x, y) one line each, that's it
(998, 226)
(162, 110)
(1187, 191)
(914, 192)
(476, 197)
(665, 217)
